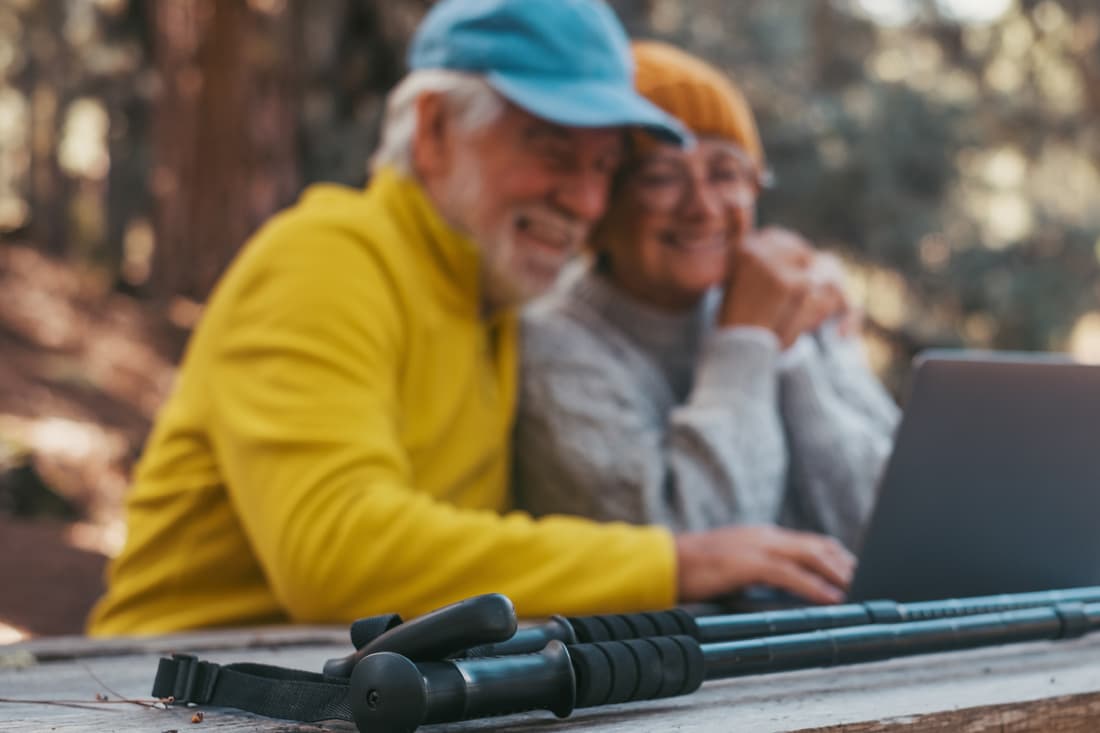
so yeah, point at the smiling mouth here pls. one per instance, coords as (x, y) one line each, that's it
(546, 235)
(708, 243)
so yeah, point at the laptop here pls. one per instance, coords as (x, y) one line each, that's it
(993, 485)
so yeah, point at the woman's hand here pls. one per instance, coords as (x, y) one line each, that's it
(779, 282)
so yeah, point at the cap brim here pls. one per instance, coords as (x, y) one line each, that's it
(589, 103)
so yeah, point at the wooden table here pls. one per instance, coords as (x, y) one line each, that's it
(1041, 686)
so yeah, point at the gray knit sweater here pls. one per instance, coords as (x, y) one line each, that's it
(628, 413)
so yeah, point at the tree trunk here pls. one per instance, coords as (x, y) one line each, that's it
(49, 190)
(224, 133)
(128, 200)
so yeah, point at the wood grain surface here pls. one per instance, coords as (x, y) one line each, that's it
(1041, 686)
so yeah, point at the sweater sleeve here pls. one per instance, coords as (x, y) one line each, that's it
(593, 440)
(306, 416)
(847, 370)
(838, 444)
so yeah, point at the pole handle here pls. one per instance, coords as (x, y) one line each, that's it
(390, 693)
(437, 635)
(528, 639)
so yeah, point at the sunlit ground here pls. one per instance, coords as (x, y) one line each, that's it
(74, 456)
(11, 634)
(82, 373)
(81, 379)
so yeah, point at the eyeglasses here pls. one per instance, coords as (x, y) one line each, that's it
(666, 180)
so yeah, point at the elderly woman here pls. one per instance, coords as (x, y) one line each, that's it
(697, 371)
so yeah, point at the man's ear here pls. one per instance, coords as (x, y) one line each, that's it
(431, 140)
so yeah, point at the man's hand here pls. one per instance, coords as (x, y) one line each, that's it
(723, 560)
(779, 282)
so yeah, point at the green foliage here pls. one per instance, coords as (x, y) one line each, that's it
(927, 151)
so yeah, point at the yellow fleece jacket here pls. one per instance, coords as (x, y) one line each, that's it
(337, 444)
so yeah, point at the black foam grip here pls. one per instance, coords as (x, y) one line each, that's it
(618, 627)
(641, 624)
(614, 672)
(589, 629)
(676, 622)
(622, 669)
(674, 659)
(590, 670)
(651, 672)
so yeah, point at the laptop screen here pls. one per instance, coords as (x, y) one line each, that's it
(994, 482)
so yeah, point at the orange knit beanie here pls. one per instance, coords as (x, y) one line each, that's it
(701, 96)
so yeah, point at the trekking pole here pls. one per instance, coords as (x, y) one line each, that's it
(390, 693)
(730, 627)
(401, 676)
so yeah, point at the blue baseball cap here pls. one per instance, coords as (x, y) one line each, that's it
(566, 61)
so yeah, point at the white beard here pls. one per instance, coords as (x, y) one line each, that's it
(504, 280)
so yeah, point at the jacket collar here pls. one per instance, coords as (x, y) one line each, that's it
(453, 259)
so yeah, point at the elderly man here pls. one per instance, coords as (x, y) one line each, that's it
(337, 444)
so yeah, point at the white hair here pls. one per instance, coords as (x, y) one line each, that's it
(471, 99)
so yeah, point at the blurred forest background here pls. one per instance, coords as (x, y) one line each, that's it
(945, 148)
